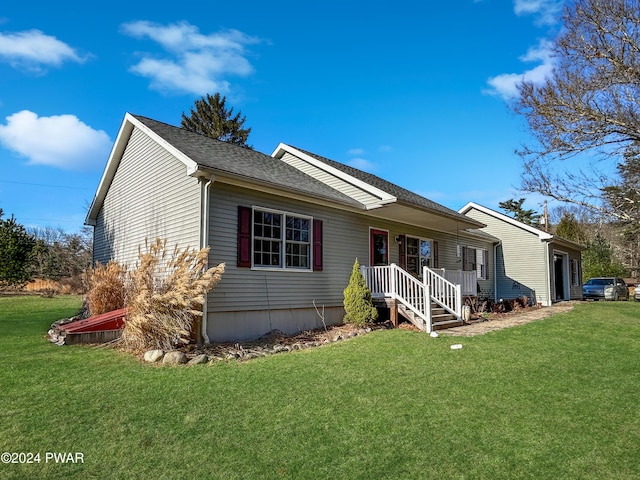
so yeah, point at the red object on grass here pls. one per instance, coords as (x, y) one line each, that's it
(107, 321)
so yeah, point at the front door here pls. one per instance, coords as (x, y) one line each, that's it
(559, 276)
(379, 247)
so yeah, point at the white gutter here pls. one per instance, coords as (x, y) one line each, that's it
(548, 261)
(495, 270)
(205, 201)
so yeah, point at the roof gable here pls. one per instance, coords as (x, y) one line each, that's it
(388, 193)
(507, 219)
(541, 234)
(204, 156)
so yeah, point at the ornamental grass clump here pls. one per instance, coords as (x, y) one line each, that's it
(166, 295)
(358, 303)
(106, 290)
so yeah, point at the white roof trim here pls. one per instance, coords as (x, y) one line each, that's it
(505, 218)
(192, 167)
(384, 197)
(115, 156)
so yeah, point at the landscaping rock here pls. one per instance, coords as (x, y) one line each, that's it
(152, 356)
(174, 357)
(199, 359)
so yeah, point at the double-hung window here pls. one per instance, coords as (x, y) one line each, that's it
(281, 240)
(475, 259)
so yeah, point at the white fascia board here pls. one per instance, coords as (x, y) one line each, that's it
(505, 218)
(192, 167)
(110, 169)
(384, 197)
(115, 156)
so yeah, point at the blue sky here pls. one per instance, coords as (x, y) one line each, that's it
(412, 91)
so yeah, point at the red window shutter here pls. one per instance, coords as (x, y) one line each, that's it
(402, 249)
(317, 245)
(244, 236)
(434, 253)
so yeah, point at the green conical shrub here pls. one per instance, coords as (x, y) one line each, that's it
(358, 304)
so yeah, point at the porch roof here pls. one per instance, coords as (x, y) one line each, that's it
(394, 202)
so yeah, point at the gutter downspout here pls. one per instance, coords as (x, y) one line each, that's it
(495, 270)
(548, 261)
(205, 202)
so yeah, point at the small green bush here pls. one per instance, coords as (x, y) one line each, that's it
(358, 304)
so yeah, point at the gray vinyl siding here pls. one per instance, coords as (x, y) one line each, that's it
(150, 197)
(521, 263)
(335, 182)
(345, 237)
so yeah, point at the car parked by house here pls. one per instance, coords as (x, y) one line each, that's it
(636, 293)
(605, 288)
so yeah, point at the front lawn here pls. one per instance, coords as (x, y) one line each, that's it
(556, 398)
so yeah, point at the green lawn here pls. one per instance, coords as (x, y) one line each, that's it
(558, 398)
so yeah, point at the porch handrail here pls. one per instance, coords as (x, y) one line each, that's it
(393, 281)
(445, 293)
(467, 279)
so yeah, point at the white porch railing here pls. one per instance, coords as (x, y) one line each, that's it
(394, 282)
(445, 293)
(468, 280)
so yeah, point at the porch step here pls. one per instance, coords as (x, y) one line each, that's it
(440, 318)
(409, 315)
(447, 324)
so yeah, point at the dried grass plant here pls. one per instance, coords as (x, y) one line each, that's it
(165, 296)
(105, 286)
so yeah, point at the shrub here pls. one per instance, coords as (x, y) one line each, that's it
(166, 295)
(105, 286)
(358, 304)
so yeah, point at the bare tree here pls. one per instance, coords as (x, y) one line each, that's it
(589, 108)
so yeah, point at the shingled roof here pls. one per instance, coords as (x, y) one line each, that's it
(402, 194)
(240, 162)
(204, 156)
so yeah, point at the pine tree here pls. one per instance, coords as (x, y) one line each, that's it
(16, 246)
(210, 117)
(358, 304)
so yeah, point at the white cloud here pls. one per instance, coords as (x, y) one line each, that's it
(362, 164)
(546, 12)
(506, 84)
(356, 151)
(196, 63)
(32, 49)
(61, 141)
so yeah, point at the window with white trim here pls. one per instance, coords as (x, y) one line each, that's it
(476, 259)
(281, 240)
(575, 272)
(482, 259)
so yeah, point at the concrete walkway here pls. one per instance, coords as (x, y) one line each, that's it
(508, 320)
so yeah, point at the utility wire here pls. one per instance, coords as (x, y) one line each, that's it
(46, 185)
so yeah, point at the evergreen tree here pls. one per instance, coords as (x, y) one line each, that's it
(358, 303)
(569, 228)
(598, 260)
(514, 207)
(16, 246)
(210, 117)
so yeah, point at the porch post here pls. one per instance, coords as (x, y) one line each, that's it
(426, 299)
(392, 280)
(459, 301)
